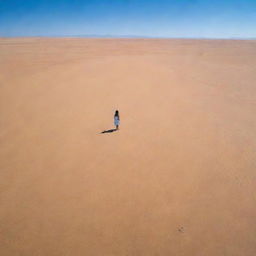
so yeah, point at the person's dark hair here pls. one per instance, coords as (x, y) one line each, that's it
(116, 113)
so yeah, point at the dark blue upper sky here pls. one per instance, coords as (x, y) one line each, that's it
(157, 18)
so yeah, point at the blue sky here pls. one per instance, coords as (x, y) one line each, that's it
(153, 18)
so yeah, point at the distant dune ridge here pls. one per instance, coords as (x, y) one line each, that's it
(178, 178)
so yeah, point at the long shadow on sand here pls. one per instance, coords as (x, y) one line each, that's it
(109, 131)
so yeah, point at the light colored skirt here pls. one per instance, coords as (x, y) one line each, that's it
(116, 122)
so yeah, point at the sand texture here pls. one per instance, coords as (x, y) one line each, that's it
(178, 178)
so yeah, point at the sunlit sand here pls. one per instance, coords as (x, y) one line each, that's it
(178, 178)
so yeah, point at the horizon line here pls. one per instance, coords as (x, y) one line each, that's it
(96, 36)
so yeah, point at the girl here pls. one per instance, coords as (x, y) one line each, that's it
(116, 119)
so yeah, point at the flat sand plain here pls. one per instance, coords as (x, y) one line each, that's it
(178, 178)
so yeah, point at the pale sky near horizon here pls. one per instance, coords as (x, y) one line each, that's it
(149, 18)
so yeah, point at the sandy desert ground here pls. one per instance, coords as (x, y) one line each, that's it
(178, 178)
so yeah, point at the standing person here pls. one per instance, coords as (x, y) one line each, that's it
(117, 119)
